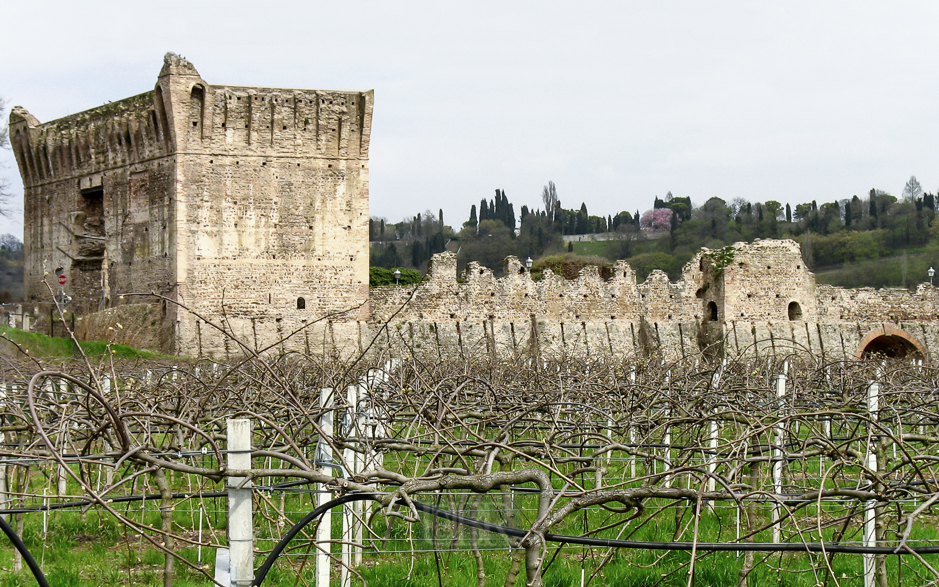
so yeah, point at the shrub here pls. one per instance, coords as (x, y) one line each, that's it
(568, 266)
(379, 277)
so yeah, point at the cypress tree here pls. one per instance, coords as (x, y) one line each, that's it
(483, 210)
(788, 213)
(473, 220)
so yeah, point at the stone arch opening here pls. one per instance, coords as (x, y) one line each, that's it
(301, 304)
(795, 311)
(712, 314)
(197, 108)
(892, 343)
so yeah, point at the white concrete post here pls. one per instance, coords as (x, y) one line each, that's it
(712, 457)
(240, 523)
(712, 439)
(870, 511)
(348, 510)
(61, 475)
(4, 491)
(667, 437)
(632, 433)
(361, 431)
(324, 454)
(778, 445)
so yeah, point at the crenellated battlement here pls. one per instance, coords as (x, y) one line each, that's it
(237, 120)
(742, 298)
(480, 296)
(133, 130)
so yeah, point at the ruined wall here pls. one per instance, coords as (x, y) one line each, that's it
(763, 279)
(98, 202)
(753, 288)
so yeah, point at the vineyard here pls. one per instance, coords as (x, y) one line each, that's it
(290, 469)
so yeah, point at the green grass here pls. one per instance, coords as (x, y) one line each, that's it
(96, 550)
(598, 248)
(41, 345)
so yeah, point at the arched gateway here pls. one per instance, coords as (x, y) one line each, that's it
(891, 342)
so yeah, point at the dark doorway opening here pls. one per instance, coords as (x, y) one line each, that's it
(712, 312)
(890, 347)
(795, 311)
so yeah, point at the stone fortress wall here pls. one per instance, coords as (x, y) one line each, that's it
(255, 198)
(764, 298)
(250, 207)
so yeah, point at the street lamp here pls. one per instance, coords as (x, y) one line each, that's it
(931, 272)
(397, 275)
(528, 263)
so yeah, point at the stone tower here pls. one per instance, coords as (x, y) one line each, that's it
(207, 195)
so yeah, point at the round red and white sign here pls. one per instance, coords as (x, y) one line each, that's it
(62, 280)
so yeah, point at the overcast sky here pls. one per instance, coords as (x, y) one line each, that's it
(616, 102)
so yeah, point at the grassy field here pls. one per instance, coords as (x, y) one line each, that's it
(94, 549)
(41, 345)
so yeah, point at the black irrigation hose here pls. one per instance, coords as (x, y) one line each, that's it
(585, 541)
(147, 497)
(30, 561)
(453, 517)
(316, 513)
